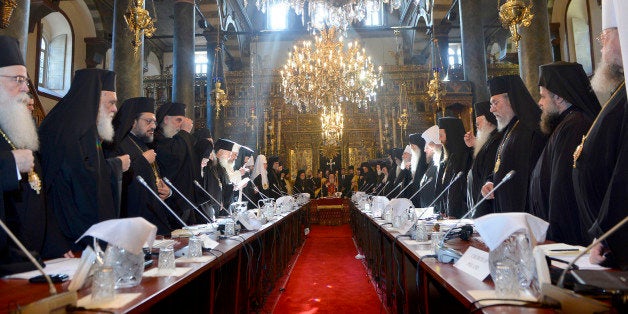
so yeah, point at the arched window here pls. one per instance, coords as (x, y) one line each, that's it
(54, 59)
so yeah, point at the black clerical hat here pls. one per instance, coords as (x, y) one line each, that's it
(398, 153)
(484, 109)
(272, 160)
(350, 167)
(11, 54)
(569, 81)
(365, 164)
(128, 112)
(522, 103)
(246, 151)
(109, 81)
(170, 109)
(224, 144)
(455, 133)
(416, 139)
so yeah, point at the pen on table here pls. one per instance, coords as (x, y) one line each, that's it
(565, 250)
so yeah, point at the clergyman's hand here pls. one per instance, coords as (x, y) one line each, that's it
(150, 155)
(597, 254)
(487, 190)
(24, 159)
(187, 125)
(163, 190)
(126, 162)
(469, 139)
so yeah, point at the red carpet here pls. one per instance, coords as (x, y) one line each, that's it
(327, 278)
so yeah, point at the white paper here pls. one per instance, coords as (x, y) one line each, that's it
(495, 228)
(66, 266)
(200, 259)
(127, 233)
(582, 263)
(475, 263)
(120, 300)
(156, 272)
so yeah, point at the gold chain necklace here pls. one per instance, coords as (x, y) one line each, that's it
(155, 171)
(578, 151)
(33, 178)
(501, 146)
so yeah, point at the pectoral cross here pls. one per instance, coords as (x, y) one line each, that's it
(331, 164)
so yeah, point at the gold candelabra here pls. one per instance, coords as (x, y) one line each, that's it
(513, 14)
(139, 22)
(436, 89)
(220, 97)
(325, 73)
(332, 125)
(7, 11)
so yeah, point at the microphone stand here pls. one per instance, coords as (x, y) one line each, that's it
(421, 188)
(141, 180)
(210, 196)
(200, 212)
(382, 189)
(258, 190)
(398, 185)
(446, 189)
(407, 186)
(448, 255)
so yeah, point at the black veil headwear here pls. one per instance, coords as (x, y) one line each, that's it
(569, 81)
(455, 134)
(525, 108)
(11, 54)
(128, 112)
(170, 109)
(80, 105)
(484, 109)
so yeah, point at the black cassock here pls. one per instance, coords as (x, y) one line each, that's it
(136, 200)
(453, 202)
(216, 182)
(264, 190)
(84, 191)
(551, 185)
(601, 175)
(480, 172)
(274, 184)
(401, 182)
(521, 148)
(427, 195)
(177, 162)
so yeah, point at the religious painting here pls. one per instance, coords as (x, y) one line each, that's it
(300, 160)
(331, 164)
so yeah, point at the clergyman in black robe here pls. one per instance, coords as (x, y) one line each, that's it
(274, 177)
(600, 171)
(418, 165)
(518, 118)
(219, 177)
(458, 160)
(135, 125)
(569, 106)
(177, 161)
(24, 210)
(81, 186)
(484, 149)
(369, 178)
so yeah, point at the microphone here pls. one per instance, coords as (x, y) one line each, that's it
(141, 180)
(200, 212)
(382, 188)
(421, 188)
(398, 185)
(366, 187)
(407, 186)
(458, 175)
(608, 233)
(210, 196)
(278, 190)
(56, 301)
(449, 255)
(258, 189)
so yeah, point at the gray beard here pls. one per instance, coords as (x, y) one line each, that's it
(234, 176)
(169, 131)
(104, 124)
(414, 161)
(17, 122)
(606, 79)
(480, 140)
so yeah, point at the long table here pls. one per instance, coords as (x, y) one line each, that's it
(238, 280)
(412, 284)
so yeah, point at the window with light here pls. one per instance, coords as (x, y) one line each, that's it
(277, 16)
(373, 14)
(200, 62)
(454, 54)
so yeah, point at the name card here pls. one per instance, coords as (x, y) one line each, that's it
(475, 263)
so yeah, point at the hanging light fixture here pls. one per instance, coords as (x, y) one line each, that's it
(139, 22)
(436, 89)
(325, 73)
(7, 11)
(514, 14)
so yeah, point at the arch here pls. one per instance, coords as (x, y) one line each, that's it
(153, 65)
(56, 32)
(93, 11)
(579, 34)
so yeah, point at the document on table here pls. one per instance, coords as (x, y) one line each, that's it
(66, 266)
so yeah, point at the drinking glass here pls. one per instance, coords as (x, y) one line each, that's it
(437, 237)
(166, 258)
(505, 279)
(195, 247)
(103, 284)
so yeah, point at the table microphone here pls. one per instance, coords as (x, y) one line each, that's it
(382, 189)
(141, 180)
(258, 190)
(449, 255)
(398, 185)
(407, 186)
(608, 233)
(200, 212)
(210, 196)
(421, 188)
(278, 190)
(458, 175)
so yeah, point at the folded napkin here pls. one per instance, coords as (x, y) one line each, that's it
(495, 228)
(127, 233)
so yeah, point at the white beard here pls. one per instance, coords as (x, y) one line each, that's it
(605, 80)
(169, 131)
(234, 176)
(480, 140)
(414, 160)
(104, 124)
(17, 122)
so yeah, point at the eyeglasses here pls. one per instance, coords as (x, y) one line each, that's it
(603, 36)
(19, 79)
(149, 121)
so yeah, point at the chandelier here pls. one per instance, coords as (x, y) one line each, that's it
(6, 11)
(325, 74)
(330, 13)
(331, 130)
(515, 13)
(436, 88)
(139, 21)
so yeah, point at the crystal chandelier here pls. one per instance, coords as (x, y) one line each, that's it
(331, 130)
(329, 13)
(325, 74)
